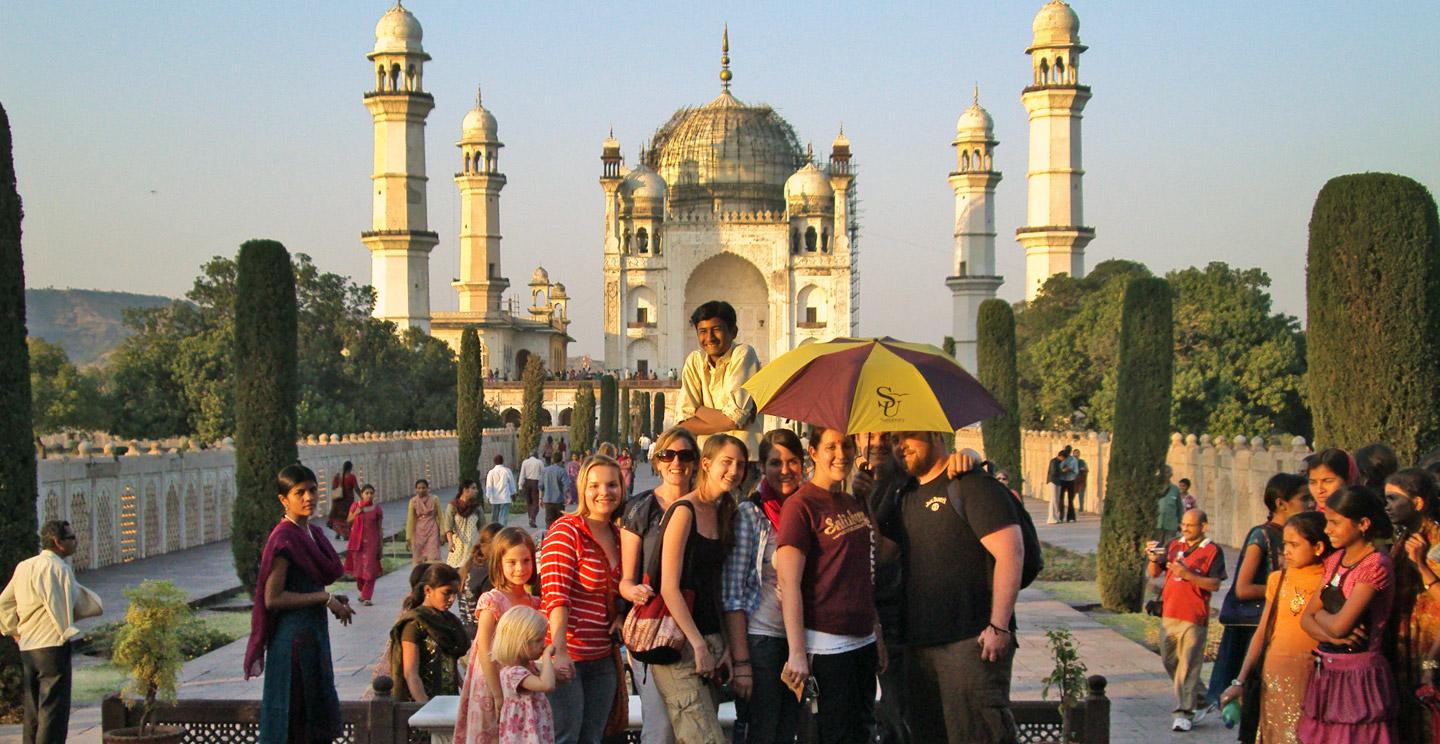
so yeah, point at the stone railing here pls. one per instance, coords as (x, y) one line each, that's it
(151, 500)
(1227, 476)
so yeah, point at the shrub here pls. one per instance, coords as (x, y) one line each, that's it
(265, 395)
(658, 411)
(1373, 295)
(1141, 436)
(995, 362)
(148, 644)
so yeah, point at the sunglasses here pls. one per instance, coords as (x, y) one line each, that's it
(669, 455)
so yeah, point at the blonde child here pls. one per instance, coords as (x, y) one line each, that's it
(1288, 649)
(512, 566)
(519, 642)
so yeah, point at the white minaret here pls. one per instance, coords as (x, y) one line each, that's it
(399, 238)
(974, 280)
(1054, 236)
(482, 284)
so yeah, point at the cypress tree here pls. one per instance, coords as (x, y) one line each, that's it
(582, 421)
(609, 400)
(469, 405)
(643, 414)
(265, 395)
(533, 401)
(995, 359)
(1373, 295)
(627, 416)
(1141, 437)
(18, 496)
(658, 411)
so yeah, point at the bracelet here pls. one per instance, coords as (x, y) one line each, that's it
(740, 662)
(1429, 664)
(998, 629)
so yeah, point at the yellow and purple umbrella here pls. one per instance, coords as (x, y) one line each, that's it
(871, 384)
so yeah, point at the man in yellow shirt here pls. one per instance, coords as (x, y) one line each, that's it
(38, 609)
(712, 400)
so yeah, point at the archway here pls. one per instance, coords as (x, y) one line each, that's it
(565, 416)
(511, 417)
(522, 357)
(735, 280)
(545, 418)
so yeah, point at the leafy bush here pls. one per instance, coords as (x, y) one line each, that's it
(148, 642)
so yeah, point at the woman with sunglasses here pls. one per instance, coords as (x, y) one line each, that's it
(677, 457)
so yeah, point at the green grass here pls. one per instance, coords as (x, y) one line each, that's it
(1063, 564)
(1137, 626)
(95, 676)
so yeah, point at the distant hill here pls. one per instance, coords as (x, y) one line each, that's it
(87, 323)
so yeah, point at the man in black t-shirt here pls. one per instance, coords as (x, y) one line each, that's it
(962, 575)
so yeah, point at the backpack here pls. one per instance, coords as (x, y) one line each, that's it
(1034, 561)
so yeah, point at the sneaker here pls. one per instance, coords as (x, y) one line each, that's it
(1181, 724)
(1205, 711)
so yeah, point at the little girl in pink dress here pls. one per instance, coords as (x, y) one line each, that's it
(512, 565)
(525, 717)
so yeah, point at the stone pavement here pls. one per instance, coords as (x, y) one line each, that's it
(1138, 688)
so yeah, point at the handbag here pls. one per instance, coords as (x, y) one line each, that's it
(1250, 691)
(650, 631)
(1236, 611)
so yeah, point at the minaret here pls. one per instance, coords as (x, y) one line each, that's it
(482, 284)
(841, 179)
(975, 279)
(610, 180)
(399, 238)
(1054, 237)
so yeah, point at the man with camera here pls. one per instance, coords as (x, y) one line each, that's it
(1193, 568)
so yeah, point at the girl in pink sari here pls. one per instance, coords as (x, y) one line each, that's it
(362, 558)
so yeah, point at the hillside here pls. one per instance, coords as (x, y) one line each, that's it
(87, 323)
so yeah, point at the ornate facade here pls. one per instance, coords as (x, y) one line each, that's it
(725, 205)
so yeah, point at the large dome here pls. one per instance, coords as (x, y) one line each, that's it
(729, 151)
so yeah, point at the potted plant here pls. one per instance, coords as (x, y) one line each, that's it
(1067, 678)
(148, 646)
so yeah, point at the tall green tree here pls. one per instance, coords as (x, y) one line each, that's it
(17, 452)
(63, 398)
(470, 400)
(1141, 437)
(582, 418)
(609, 403)
(643, 414)
(627, 416)
(995, 360)
(658, 410)
(533, 402)
(265, 395)
(1373, 293)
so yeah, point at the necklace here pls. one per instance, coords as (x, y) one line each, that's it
(1297, 602)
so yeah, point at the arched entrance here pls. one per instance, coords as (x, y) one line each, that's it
(511, 417)
(522, 357)
(731, 278)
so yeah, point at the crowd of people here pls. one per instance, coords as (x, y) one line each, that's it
(1332, 622)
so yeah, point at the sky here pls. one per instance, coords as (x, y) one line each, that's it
(150, 136)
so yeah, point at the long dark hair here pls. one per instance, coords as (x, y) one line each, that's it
(347, 467)
(1339, 462)
(1419, 483)
(1282, 487)
(435, 575)
(291, 476)
(781, 438)
(1376, 463)
(727, 506)
(1361, 502)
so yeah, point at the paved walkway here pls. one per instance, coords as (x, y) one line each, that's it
(1138, 689)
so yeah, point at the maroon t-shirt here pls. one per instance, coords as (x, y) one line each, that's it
(835, 535)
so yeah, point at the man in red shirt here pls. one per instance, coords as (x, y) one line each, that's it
(1193, 567)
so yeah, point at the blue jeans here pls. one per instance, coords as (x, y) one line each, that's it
(581, 706)
(500, 513)
(771, 714)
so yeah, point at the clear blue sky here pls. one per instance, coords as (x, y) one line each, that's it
(150, 136)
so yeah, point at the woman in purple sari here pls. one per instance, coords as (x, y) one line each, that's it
(288, 623)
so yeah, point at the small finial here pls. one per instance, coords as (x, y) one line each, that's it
(976, 100)
(842, 129)
(725, 58)
(809, 152)
(612, 131)
(477, 97)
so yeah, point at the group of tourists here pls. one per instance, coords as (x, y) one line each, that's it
(1332, 622)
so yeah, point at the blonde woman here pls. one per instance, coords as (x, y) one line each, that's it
(579, 575)
(699, 530)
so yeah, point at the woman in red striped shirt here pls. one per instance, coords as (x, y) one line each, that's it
(579, 579)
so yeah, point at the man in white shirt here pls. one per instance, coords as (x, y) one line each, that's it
(712, 400)
(38, 608)
(530, 469)
(499, 491)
